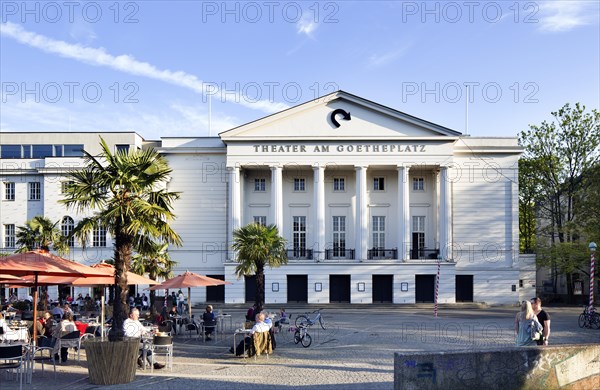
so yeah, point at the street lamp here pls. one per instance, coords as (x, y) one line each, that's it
(592, 247)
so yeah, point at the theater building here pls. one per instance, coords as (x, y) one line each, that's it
(374, 204)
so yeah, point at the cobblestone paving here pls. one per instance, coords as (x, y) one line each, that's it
(356, 351)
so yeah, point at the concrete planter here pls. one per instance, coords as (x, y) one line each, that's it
(112, 363)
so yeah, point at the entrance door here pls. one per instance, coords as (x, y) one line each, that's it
(339, 288)
(464, 288)
(383, 287)
(215, 293)
(297, 288)
(425, 288)
(250, 282)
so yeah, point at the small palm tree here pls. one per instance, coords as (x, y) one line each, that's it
(256, 246)
(41, 232)
(153, 258)
(125, 190)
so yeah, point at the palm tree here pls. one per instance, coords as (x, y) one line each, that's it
(126, 192)
(41, 232)
(154, 260)
(256, 246)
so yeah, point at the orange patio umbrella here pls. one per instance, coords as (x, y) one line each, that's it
(188, 279)
(39, 262)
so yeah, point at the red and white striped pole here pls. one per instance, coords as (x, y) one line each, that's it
(437, 287)
(592, 273)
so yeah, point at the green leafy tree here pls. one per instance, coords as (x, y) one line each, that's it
(153, 259)
(125, 191)
(257, 246)
(565, 149)
(41, 232)
(529, 189)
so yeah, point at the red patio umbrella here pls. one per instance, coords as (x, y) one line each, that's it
(189, 279)
(40, 262)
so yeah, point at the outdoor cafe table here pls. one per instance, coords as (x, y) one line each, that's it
(17, 332)
(243, 332)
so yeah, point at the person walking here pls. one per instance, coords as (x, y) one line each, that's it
(544, 319)
(523, 321)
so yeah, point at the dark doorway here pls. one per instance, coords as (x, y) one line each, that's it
(425, 288)
(464, 288)
(297, 288)
(383, 288)
(339, 288)
(215, 293)
(250, 282)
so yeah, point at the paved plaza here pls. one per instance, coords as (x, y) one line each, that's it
(356, 351)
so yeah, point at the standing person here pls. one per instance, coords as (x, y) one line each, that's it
(134, 328)
(180, 302)
(523, 320)
(544, 319)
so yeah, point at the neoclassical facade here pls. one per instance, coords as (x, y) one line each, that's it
(374, 204)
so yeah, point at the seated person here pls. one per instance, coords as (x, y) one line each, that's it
(172, 314)
(57, 311)
(259, 326)
(67, 325)
(134, 328)
(209, 318)
(3, 326)
(251, 313)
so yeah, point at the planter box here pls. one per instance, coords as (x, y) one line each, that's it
(112, 363)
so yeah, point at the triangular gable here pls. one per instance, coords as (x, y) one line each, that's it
(314, 120)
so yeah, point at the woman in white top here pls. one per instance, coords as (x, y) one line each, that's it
(4, 327)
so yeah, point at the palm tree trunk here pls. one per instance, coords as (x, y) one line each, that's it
(123, 251)
(260, 285)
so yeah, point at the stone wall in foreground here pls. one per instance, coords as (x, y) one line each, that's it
(552, 367)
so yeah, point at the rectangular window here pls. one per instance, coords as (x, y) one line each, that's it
(260, 185)
(99, 238)
(73, 150)
(418, 184)
(260, 220)
(26, 151)
(64, 185)
(378, 184)
(10, 151)
(339, 184)
(339, 236)
(378, 232)
(41, 151)
(299, 236)
(58, 150)
(9, 191)
(121, 148)
(299, 185)
(418, 235)
(35, 190)
(9, 236)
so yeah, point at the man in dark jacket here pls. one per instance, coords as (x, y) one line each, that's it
(544, 319)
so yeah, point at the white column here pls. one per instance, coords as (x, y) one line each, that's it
(403, 214)
(319, 212)
(362, 232)
(277, 197)
(235, 204)
(445, 216)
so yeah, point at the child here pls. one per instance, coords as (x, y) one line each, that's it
(283, 317)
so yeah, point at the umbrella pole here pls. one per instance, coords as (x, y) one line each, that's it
(102, 313)
(35, 299)
(190, 302)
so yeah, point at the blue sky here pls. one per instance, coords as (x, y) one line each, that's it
(153, 66)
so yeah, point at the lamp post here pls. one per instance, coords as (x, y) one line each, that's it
(592, 247)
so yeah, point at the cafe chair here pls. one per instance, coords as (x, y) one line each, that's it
(166, 327)
(162, 346)
(209, 326)
(82, 338)
(194, 325)
(262, 344)
(44, 344)
(68, 340)
(13, 357)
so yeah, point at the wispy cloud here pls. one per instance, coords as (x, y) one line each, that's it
(561, 16)
(383, 59)
(128, 64)
(306, 25)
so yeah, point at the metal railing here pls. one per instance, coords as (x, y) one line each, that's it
(424, 253)
(380, 254)
(299, 254)
(336, 254)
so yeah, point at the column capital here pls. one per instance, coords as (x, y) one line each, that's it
(274, 167)
(407, 167)
(359, 167)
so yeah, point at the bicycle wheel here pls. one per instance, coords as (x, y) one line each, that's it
(301, 320)
(581, 320)
(322, 322)
(306, 340)
(595, 321)
(297, 337)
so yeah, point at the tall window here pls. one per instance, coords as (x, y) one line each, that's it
(35, 190)
(299, 184)
(64, 186)
(9, 236)
(339, 236)
(418, 236)
(299, 236)
(418, 184)
(9, 190)
(99, 238)
(378, 232)
(339, 184)
(378, 183)
(260, 185)
(66, 227)
(260, 220)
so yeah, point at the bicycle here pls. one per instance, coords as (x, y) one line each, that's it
(589, 318)
(304, 320)
(301, 336)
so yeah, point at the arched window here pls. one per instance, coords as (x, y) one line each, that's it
(66, 228)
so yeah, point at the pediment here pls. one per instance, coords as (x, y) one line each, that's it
(315, 120)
